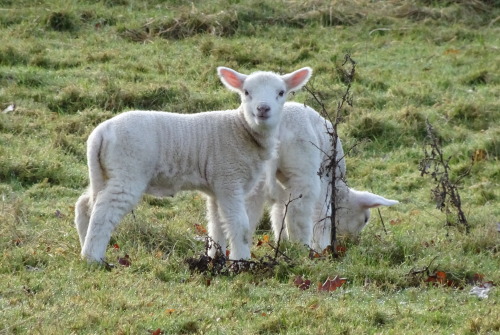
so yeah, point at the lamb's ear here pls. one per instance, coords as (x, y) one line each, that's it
(370, 200)
(231, 79)
(295, 80)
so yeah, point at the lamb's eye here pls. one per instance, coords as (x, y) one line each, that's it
(281, 93)
(246, 93)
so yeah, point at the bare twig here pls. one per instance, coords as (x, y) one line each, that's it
(425, 269)
(381, 220)
(331, 165)
(445, 193)
(290, 200)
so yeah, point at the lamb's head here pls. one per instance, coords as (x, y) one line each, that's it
(354, 211)
(263, 94)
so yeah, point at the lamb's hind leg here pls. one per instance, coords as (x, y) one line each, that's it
(82, 216)
(111, 204)
(301, 201)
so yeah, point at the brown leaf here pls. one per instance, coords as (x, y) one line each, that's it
(475, 279)
(156, 332)
(301, 283)
(441, 276)
(331, 285)
(313, 254)
(395, 222)
(125, 261)
(200, 230)
(341, 250)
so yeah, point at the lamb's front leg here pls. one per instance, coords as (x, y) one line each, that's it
(215, 231)
(236, 225)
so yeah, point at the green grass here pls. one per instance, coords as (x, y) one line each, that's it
(69, 65)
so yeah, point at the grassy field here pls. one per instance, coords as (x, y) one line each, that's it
(69, 65)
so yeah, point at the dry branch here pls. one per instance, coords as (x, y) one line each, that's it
(330, 166)
(445, 193)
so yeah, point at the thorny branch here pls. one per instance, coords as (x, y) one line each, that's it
(445, 193)
(330, 166)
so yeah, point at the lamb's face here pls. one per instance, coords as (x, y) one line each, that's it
(263, 93)
(352, 219)
(354, 211)
(263, 96)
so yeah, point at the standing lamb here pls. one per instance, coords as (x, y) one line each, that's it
(220, 153)
(304, 147)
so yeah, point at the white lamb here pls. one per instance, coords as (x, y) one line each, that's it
(304, 146)
(220, 153)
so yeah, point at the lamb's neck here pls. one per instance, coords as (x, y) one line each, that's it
(266, 139)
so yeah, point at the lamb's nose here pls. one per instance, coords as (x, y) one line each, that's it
(263, 110)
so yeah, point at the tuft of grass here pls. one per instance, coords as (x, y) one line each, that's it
(62, 21)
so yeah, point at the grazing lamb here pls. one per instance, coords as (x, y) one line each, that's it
(220, 153)
(304, 145)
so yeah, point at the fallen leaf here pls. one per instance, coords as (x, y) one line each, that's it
(301, 283)
(441, 276)
(125, 261)
(341, 249)
(200, 230)
(265, 239)
(314, 254)
(156, 332)
(451, 52)
(395, 222)
(476, 278)
(169, 311)
(331, 285)
(116, 246)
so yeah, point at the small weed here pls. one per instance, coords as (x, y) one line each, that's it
(62, 21)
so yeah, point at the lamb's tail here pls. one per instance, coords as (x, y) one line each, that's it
(97, 175)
